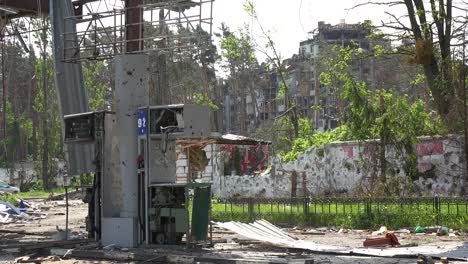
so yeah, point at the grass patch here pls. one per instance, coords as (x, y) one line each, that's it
(349, 214)
(10, 198)
(40, 193)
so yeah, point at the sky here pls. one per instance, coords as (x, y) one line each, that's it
(289, 21)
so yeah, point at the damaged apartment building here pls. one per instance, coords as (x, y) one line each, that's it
(313, 100)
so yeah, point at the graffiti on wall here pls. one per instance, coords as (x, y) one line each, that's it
(245, 159)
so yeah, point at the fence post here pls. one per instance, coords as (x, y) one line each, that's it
(306, 206)
(437, 209)
(368, 207)
(251, 209)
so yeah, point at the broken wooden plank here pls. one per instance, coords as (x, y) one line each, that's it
(22, 247)
(23, 232)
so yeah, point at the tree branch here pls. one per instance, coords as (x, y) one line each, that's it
(412, 16)
(397, 20)
(389, 3)
(421, 12)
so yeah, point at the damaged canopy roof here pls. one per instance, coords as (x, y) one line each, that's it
(224, 139)
(19, 8)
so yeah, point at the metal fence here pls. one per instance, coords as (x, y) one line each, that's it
(360, 212)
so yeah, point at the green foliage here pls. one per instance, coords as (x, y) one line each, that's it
(17, 125)
(96, 77)
(379, 50)
(238, 49)
(9, 198)
(51, 113)
(283, 140)
(249, 8)
(420, 78)
(34, 193)
(317, 139)
(204, 99)
(83, 179)
(394, 215)
(381, 115)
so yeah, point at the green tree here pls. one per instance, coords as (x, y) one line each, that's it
(274, 58)
(46, 104)
(428, 30)
(388, 117)
(98, 82)
(239, 59)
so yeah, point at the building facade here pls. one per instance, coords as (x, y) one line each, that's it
(312, 99)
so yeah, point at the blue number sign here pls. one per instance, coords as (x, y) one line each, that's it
(142, 121)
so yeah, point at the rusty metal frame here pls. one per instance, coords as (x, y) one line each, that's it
(113, 29)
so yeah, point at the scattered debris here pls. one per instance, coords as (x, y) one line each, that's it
(425, 260)
(442, 231)
(343, 231)
(389, 240)
(38, 260)
(25, 213)
(265, 232)
(6, 207)
(382, 231)
(419, 229)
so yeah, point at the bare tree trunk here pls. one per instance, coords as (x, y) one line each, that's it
(243, 112)
(465, 125)
(45, 129)
(440, 85)
(4, 126)
(254, 100)
(383, 143)
(33, 115)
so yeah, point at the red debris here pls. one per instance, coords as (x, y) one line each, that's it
(389, 240)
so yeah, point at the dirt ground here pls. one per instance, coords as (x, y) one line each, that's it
(229, 245)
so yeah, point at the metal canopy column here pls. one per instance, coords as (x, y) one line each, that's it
(131, 92)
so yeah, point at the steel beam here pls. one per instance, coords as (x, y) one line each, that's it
(26, 7)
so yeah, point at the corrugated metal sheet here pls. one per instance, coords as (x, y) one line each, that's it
(266, 232)
(73, 97)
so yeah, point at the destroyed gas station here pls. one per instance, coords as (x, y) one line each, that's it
(158, 168)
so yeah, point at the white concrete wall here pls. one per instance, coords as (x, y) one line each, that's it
(27, 170)
(344, 167)
(214, 165)
(262, 186)
(4, 175)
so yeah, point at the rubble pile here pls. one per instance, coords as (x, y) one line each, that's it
(24, 213)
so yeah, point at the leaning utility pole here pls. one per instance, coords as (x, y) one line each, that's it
(45, 129)
(465, 123)
(4, 99)
(161, 93)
